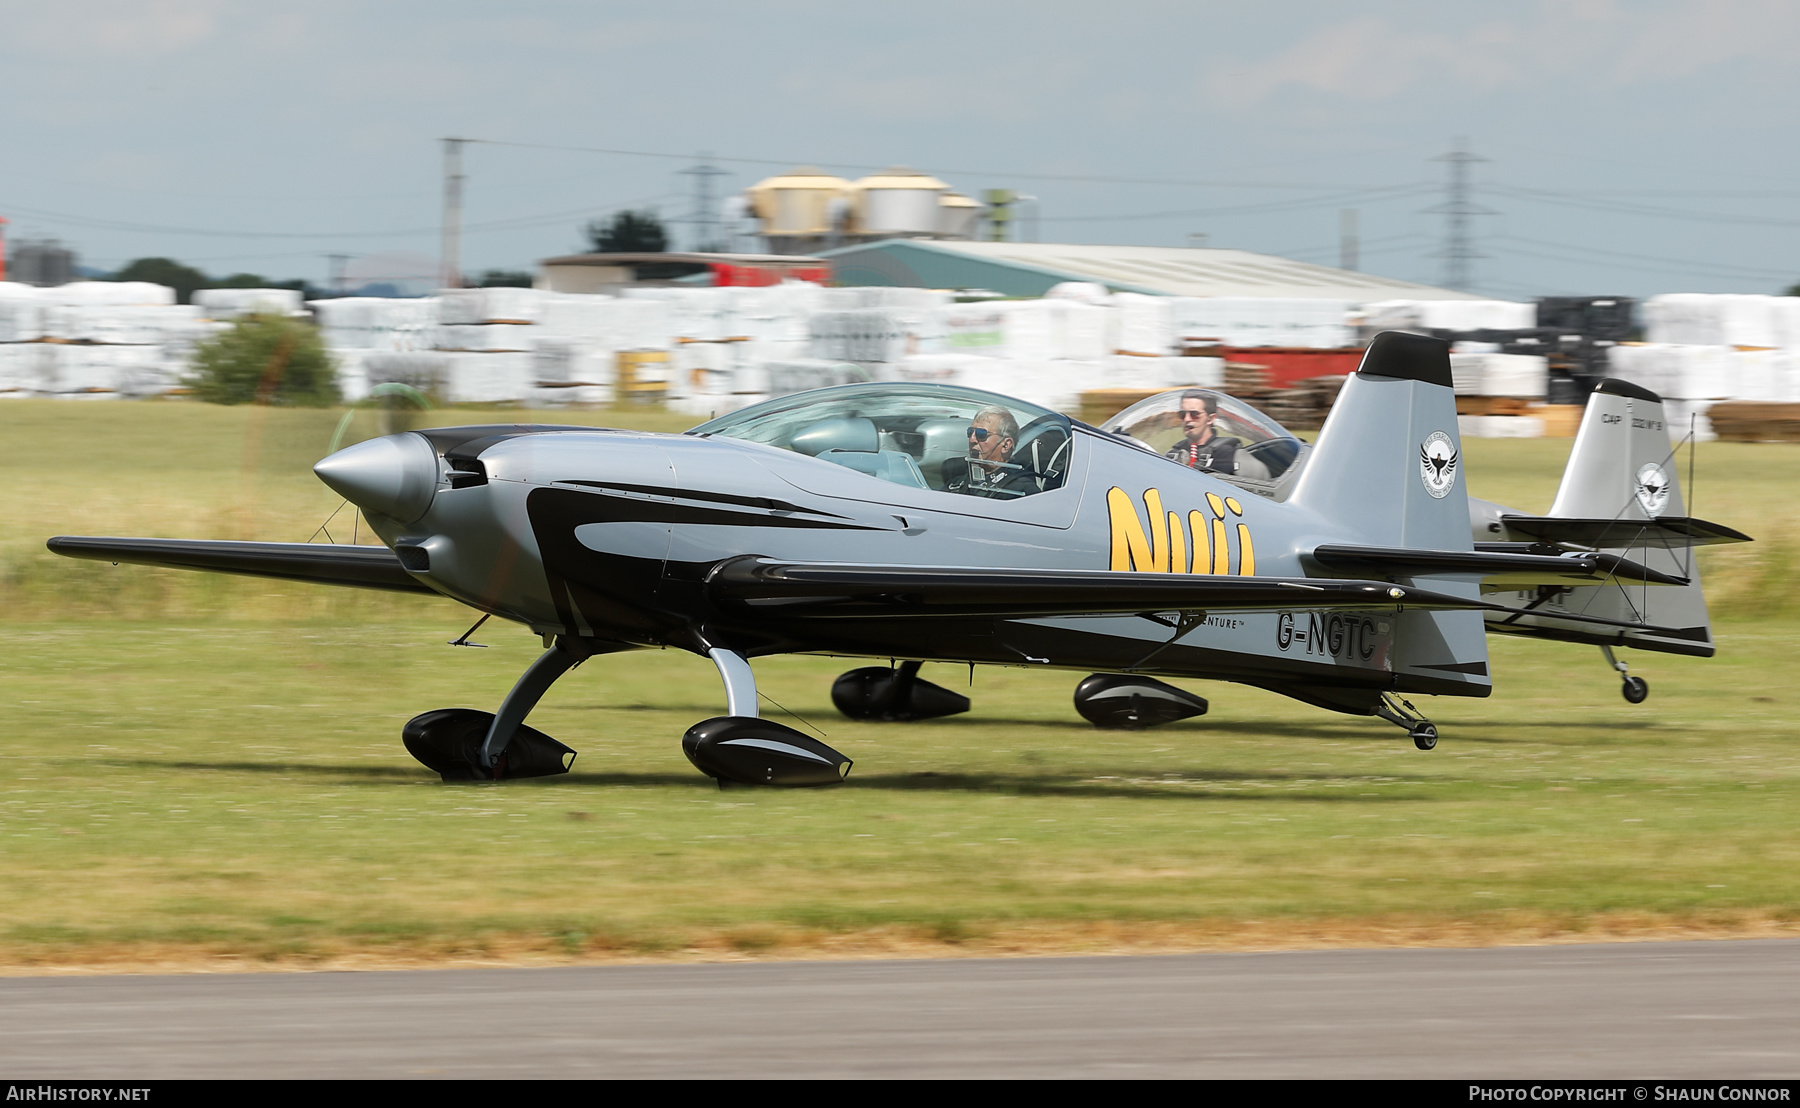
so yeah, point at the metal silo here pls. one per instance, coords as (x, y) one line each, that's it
(799, 210)
(896, 202)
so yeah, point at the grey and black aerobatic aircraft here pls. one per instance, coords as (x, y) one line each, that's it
(931, 523)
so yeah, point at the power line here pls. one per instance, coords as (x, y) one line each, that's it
(790, 162)
(1388, 193)
(1575, 201)
(1672, 265)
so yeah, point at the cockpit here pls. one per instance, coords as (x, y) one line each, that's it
(1211, 431)
(941, 437)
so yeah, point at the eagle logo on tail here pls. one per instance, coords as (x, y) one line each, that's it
(1437, 464)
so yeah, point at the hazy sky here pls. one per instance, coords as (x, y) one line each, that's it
(1632, 148)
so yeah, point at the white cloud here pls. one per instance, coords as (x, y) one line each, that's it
(1375, 58)
(117, 28)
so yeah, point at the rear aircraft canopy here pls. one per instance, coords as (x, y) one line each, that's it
(1247, 447)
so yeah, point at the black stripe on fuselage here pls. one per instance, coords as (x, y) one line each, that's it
(762, 502)
(662, 511)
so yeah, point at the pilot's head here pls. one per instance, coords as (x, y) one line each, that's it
(992, 434)
(1197, 412)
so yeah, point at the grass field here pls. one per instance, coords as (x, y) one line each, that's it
(207, 771)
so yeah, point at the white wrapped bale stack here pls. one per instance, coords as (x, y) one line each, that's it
(1706, 319)
(108, 293)
(861, 335)
(1767, 376)
(1685, 417)
(376, 323)
(1246, 321)
(229, 304)
(1449, 315)
(1677, 371)
(1125, 371)
(421, 371)
(1499, 427)
(493, 305)
(1786, 310)
(485, 378)
(1146, 324)
(704, 368)
(802, 374)
(1081, 292)
(21, 318)
(1524, 376)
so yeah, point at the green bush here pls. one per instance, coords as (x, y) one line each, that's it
(266, 360)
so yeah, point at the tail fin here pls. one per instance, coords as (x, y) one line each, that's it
(1621, 493)
(1388, 464)
(1387, 471)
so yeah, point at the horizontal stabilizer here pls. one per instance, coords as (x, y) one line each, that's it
(1670, 531)
(1501, 565)
(364, 567)
(813, 590)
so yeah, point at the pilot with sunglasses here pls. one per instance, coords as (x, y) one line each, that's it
(1200, 447)
(992, 435)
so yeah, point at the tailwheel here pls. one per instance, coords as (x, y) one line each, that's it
(1401, 713)
(1635, 690)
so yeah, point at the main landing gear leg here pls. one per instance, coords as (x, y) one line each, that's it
(741, 749)
(1635, 689)
(1401, 713)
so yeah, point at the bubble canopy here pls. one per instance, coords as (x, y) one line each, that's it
(943, 437)
(1265, 448)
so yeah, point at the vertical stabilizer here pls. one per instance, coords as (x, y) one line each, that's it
(1387, 471)
(1388, 463)
(1623, 470)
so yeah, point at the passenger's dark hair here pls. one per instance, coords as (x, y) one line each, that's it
(1206, 398)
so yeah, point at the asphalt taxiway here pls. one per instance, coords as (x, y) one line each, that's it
(1625, 1010)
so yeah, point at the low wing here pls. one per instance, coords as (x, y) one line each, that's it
(837, 590)
(364, 567)
(815, 590)
(1672, 531)
(1506, 565)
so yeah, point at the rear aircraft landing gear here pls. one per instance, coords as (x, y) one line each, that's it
(1401, 713)
(1635, 690)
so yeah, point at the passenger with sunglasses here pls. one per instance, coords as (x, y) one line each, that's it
(1200, 447)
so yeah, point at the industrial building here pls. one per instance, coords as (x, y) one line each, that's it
(1033, 268)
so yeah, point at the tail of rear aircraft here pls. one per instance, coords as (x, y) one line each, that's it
(1621, 494)
(1386, 474)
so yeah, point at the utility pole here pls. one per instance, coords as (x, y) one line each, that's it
(705, 218)
(336, 276)
(1349, 240)
(1459, 210)
(450, 261)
